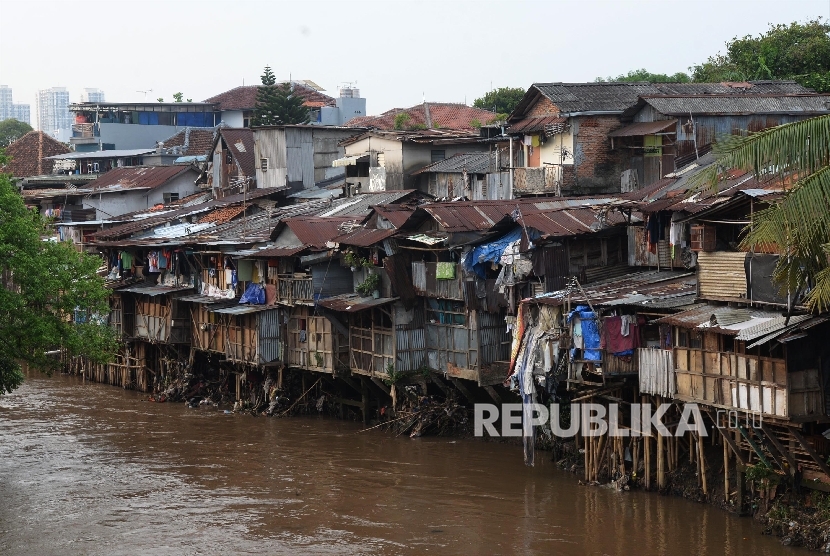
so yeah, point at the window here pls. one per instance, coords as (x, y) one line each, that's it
(170, 197)
(437, 155)
(247, 116)
(263, 164)
(446, 311)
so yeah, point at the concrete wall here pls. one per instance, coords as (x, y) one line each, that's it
(114, 204)
(233, 118)
(136, 136)
(416, 156)
(391, 158)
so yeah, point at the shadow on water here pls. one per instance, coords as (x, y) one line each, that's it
(92, 469)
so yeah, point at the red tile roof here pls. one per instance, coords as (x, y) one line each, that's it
(27, 155)
(244, 97)
(199, 140)
(443, 115)
(240, 141)
(222, 215)
(139, 177)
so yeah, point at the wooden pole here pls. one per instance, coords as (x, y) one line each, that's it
(725, 472)
(647, 452)
(702, 464)
(661, 456)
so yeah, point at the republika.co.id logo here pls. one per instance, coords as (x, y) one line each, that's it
(587, 419)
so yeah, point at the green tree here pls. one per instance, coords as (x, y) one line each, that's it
(647, 76)
(796, 51)
(45, 284)
(178, 97)
(277, 104)
(502, 100)
(11, 130)
(797, 226)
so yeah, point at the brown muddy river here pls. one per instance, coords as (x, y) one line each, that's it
(96, 470)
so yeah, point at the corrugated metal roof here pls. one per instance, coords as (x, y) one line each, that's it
(740, 104)
(155, 290)
(397, 215)
(240, 142)
(644, 128)
(364, 237)
(241, 309)
(360, 205)
(123, 153)
(473, 163)
(767, 327)
(277, 252)
(720, 318)
(140, 177)
(352, 302)
(641, 288)
(206, 299)
(316, 232)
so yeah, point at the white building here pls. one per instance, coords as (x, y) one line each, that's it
(53, 114)
(8, 109)
(92, 95)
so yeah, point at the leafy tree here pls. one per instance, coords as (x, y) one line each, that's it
(798, 226)
(160, 99)
(11, 130)
(647, 76)
(401, 120)
(796, 51)
(177, 97)
(502, 100)
(276, 104)
(44, 285)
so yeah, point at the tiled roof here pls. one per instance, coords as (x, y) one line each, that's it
(240, 141)
(244, 97)
(199, 140)
(222, 215)
(139, 177)
(28, 152)
(740, 104)
(474, 163)
(617, 96)
(441, 115)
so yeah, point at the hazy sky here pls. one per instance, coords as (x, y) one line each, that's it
(396, 51)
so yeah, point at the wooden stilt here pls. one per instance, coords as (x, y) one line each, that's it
(725, 472)
(702, 466)
(661, 456)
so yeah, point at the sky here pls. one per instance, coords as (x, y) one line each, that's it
(397, 52)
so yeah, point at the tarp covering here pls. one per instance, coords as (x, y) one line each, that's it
(491, 252)
(254, 294)
(585, 321)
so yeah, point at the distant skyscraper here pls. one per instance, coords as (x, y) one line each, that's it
(92, 95)
(22, 112)
(6, 109)
(53, 110)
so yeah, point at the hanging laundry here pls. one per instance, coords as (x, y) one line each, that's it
(126, 260)
(152, 261)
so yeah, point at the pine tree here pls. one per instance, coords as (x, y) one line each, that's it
(276, 104)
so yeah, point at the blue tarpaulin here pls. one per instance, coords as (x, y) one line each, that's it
(254, 294)
(590, 332)
(489, 253)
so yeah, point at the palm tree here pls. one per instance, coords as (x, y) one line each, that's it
(798, 225)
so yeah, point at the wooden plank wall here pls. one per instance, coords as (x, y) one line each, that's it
(732, 380)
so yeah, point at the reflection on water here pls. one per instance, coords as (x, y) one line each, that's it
(92, 469)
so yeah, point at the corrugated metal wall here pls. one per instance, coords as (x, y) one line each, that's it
(493, 338)
(721, 274)
(270, 144)
(410, 338)
(269, 346)
(332, 278)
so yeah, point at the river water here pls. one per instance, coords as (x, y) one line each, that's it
(92, 469)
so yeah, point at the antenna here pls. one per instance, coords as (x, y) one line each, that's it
(145, 93)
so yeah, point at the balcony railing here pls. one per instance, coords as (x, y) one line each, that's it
(85, 131)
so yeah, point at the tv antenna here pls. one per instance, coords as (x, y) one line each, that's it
(145, 93)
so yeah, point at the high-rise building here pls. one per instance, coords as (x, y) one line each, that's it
(5, 102)
(22, 113)
(92, 95)
(53, 110)
(8, 109)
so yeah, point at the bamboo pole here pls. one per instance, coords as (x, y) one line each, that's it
(647, 453)
(725, 472)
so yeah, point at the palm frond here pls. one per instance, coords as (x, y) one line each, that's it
(801, 148)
